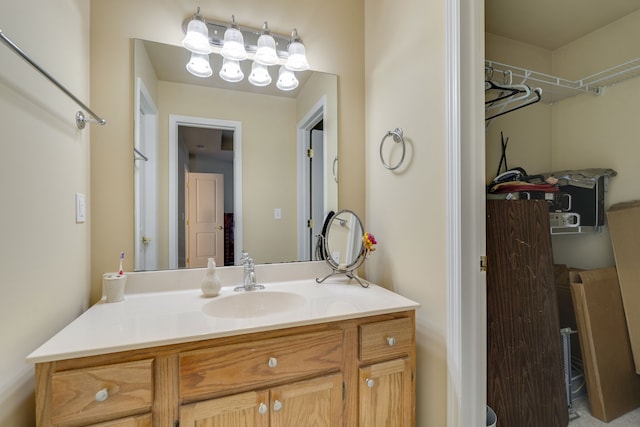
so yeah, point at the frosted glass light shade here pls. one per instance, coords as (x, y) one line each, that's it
(297, 60)
(233, 45)
(199, 66)
(259, 75)
(286, 79)
(231, 71)
(266, 53)
(197, 37)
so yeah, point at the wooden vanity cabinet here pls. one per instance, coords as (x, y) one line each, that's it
(316, 402)
(256, 364)
(356, 372)
(259, 364)
(85, 395)
(386, 374)
(135, 421)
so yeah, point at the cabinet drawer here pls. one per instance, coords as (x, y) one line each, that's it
(386, 339)
(101, 393)
(240, 366)
(135, 421)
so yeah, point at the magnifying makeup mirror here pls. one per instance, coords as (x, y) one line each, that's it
(341, 245)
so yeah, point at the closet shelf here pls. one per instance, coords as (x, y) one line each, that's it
(556, 89)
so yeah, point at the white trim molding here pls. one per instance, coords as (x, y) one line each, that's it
(314, 115)
(466, 291)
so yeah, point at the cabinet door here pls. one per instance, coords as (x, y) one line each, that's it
(241, 410)
(312, 403)
(386, 394)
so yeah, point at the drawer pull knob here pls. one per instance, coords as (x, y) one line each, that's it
(263, 408)
(370, 382)
(102, 395)
(273, 362)
(277, 406)
(391, 341)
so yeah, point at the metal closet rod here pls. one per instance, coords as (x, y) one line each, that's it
(80, 119)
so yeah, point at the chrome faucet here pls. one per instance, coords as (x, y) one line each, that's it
(249, 276)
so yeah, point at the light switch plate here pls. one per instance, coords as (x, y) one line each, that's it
(81, 208)
(277, 213)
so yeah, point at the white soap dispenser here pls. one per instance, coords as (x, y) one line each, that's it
(211, 283)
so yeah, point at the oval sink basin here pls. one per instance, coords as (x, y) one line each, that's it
(253, 304)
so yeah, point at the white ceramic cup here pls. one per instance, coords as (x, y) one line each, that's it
(113, 286)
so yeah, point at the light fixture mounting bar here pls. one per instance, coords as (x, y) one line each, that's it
(251, 35)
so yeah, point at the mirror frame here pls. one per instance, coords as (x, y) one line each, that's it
(325, 109)
(336, 267)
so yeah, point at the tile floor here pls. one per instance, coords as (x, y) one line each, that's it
(581, 408)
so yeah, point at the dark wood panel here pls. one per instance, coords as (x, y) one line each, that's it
(525, 380)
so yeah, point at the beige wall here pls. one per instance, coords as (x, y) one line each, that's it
(143, 69)
(512, 52)
(580, 132)
(331, 30)
(598, 131)
(607, 47)
(44, 161)
(528, 129)
(406, 209)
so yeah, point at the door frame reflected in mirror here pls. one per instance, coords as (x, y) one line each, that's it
(308, 233)
(175, 121)
(145, 179)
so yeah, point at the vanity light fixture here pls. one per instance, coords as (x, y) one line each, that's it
(236, 43)
(286, 79)
(196, 38)
(266, 53)
(297, 60)
(233, 43)
(259, 75)
(231, 71)
(199, 65)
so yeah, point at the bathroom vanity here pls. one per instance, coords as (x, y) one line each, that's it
(341, 355)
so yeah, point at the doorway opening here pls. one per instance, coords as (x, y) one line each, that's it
(312, 179)
(205, 205)
(205, 191)
(145, 180)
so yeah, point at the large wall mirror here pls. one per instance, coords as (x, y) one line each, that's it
(225, 167)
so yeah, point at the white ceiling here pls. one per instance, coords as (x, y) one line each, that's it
(551, 24)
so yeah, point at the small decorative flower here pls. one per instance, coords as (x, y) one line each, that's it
(369, 242)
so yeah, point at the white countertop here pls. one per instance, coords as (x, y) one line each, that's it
(149, 319)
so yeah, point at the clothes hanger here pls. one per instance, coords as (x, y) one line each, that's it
(522, 89)
(538, 96)
(510, 91)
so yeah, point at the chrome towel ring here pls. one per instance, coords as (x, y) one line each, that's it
(397, 137)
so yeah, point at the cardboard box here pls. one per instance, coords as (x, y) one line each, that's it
(624, 227)
(612, 384)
